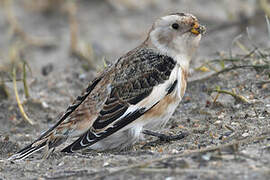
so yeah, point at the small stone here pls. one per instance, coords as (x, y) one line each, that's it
(169, 178)
(82, 76)
(217, 122)
(206, 156)
(106, 164)
(174, 151)
(44, 104)
(221, 116)
(61, 163)
(234, 124)
(245, 134)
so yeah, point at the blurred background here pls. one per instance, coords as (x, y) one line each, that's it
(49, 31)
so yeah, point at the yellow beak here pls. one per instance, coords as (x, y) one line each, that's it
(197, 29)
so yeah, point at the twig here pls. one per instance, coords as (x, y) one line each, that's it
(216, 97)
(263, 66)
(233, 94)
(263, 82)
(178, 170)
(18, 99)
(268, 25)
(26, 92)
(85, 53)
(264, 5)
(233, 42)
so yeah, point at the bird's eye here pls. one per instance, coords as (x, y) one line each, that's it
(175, 26)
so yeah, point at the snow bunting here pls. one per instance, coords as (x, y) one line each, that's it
(141, 90)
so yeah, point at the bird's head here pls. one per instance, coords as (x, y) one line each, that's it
(176, 35)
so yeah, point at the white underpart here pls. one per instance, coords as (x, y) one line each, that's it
(157, 122)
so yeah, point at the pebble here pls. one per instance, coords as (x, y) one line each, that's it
(44, 104)
(245, 134)
(206, 156)
(234, 124)
(217, 122)
(169, 178)
(106, 164)
(61, 163)
(82, 76)
(221, 116)
(174, 151)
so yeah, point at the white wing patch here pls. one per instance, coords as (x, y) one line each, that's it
(157, 94)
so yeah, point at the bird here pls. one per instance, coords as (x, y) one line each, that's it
(140, 90)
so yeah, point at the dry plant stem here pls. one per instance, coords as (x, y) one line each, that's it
(265, 6)
(74, 44)
(263, 66)
(26, 91)
(216, 97)
(73, 25)
(233, 94)
(18, 99)
(263, 82)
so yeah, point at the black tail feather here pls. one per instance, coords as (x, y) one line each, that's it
(27, 151)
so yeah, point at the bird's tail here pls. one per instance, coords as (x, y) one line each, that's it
(49, 142)
(28, 150)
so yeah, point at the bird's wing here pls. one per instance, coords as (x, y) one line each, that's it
(74, 106)
(140, 81)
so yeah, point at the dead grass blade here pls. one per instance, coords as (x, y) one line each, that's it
(82, 51)
(18, 99)
(25, 85)
(268, 25)
(265, 6)
(237, 97)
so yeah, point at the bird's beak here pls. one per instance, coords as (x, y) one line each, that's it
(197, 29)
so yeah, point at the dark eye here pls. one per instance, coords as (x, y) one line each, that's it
(175, 26)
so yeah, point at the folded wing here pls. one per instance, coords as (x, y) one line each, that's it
(140, 81)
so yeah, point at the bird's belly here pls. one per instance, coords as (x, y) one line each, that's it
(159, 115)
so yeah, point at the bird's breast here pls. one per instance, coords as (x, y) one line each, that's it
(163, 110)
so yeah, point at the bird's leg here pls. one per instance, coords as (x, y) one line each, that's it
(164, 137)
(47, 153)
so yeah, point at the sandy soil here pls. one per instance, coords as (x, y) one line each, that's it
(237, 133)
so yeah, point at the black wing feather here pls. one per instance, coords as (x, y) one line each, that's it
(73, 106)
